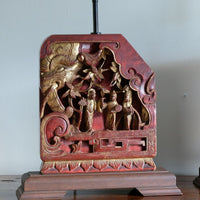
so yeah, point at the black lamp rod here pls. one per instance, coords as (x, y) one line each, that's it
(95, 17)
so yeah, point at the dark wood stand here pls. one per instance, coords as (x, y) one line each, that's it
(54, 186)
(197, 180)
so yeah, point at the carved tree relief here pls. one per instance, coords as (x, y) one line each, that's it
(97, 105)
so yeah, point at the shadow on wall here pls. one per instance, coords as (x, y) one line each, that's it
(178, 117)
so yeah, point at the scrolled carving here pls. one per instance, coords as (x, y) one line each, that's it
(135, 78)
(150, 98)
(53, 128)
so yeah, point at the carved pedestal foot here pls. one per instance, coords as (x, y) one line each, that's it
(159, 191)
(33, 195)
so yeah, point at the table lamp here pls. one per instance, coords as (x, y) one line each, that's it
(98, 118)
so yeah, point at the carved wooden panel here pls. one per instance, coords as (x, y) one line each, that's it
(97, 105)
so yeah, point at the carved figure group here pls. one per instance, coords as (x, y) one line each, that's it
(89, 69)
(110, 109)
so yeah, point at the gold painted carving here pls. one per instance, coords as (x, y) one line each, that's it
(57, 69)
(74, 83)
(136, 164)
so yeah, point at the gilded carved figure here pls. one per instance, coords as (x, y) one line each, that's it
(101, 105)
(128, 110)
(90, 108)
(112, 109)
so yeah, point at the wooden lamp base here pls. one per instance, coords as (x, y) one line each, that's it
(54, 186)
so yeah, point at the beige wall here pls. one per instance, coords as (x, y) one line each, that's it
(166, 33)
